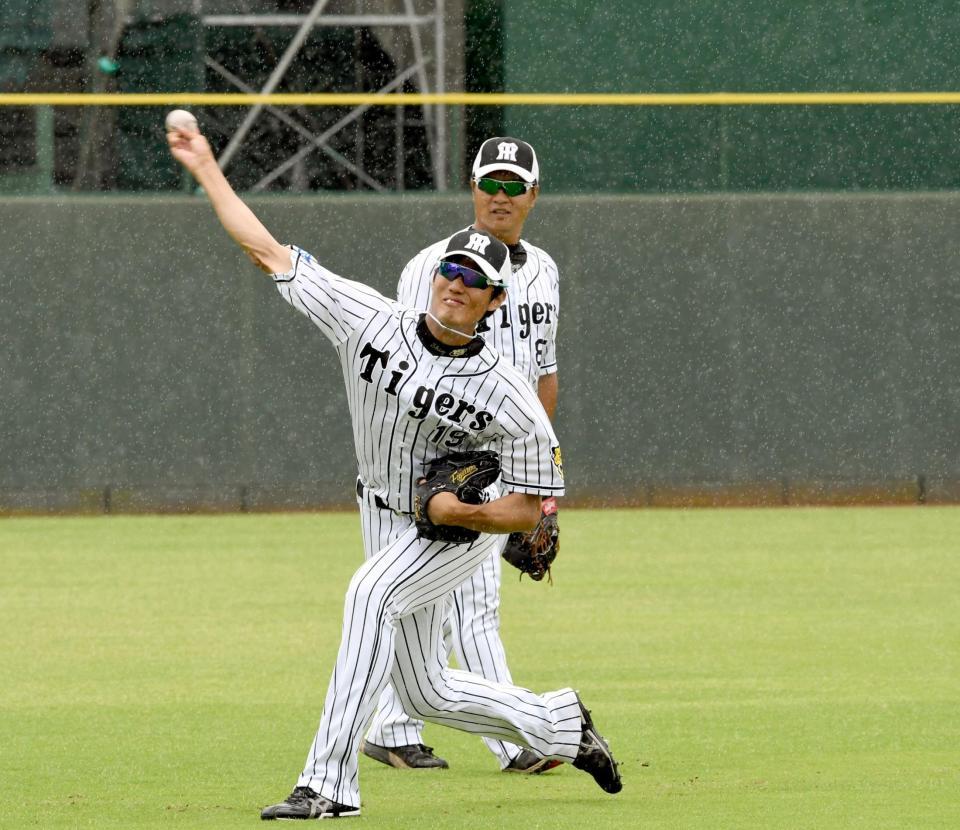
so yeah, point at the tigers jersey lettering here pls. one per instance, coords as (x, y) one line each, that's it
(411, 399)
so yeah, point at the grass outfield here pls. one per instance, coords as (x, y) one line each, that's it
(795, 668)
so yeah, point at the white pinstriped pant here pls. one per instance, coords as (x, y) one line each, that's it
(471, 631)
(392, 624)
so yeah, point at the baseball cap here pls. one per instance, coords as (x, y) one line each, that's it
(487, 251)
(505, 153)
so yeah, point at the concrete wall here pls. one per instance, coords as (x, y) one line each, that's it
(746, 348)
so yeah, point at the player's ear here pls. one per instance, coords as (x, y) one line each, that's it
(496, 302)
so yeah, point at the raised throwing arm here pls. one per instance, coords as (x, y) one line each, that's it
(193, 151)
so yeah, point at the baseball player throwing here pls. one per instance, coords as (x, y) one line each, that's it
(419, 386)
(504, 187)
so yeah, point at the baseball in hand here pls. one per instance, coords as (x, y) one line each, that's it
(181, 120)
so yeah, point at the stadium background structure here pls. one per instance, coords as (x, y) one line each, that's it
(777, 50)
(759, 298)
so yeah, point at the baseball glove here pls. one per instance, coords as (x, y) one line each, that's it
(533, 553)
(466, 475)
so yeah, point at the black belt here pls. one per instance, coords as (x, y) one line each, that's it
(376, 499)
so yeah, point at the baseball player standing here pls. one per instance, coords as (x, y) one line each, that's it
(504, 185)
(419, 385)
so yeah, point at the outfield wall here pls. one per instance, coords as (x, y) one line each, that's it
(754, 349)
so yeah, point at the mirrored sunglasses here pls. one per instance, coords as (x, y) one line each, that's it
(471, 278)
(512, 189)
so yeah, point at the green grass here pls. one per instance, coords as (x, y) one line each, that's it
(793, 668)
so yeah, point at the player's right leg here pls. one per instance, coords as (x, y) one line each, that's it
(555, 725)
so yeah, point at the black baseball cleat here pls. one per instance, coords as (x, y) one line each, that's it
(414, 756)
(595, 756)
(527, 763)
(304, 803)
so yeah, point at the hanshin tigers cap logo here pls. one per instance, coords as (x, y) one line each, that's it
(505, 153)
(490, 254)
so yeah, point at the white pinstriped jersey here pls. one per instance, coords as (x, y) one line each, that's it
(413, 399)
(524, 328)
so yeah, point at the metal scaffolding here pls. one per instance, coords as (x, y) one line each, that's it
(418, 28)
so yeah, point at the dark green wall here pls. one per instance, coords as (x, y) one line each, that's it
(483, 71)
(738, 340)
(738, 46)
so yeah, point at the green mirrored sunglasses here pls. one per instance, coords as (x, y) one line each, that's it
(491, 186)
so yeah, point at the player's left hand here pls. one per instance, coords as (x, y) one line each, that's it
(457, 481)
